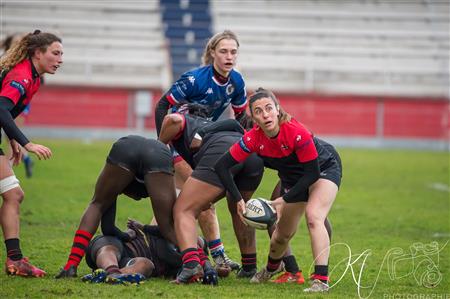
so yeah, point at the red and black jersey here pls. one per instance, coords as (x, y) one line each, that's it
(293, 146)
(20, 84)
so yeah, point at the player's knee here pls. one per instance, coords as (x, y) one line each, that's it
(314, 220)
(10, 189)
(283, 237)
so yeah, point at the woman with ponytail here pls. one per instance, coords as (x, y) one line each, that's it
(310, 172)
(21, 67)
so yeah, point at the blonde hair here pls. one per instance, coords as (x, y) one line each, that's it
(260, 93)
(26, 47)
(213, 42)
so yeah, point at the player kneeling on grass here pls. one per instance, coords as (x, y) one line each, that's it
(310, 172)
(146, 254)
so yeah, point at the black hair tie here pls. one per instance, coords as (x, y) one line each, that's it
(36, 32)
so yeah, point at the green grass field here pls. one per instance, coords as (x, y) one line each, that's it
(389, 199)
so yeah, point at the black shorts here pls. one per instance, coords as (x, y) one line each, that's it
(124, 255)
(247, 175)
(331, 170)
(141, 155)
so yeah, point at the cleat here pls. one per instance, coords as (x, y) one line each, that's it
(97, 276)
(69, 273)
(288, 277)
(223, 259)
(125, 279)
(189, 275)
(246, 274)
(23, 268)
(317, 286)
(265, 275)
(210, 275)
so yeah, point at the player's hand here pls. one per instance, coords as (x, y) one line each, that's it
(241, 210)
(131, 234)
(278, 204)
(134, 224)
(42, 152)
(196, 143)
(16, 152)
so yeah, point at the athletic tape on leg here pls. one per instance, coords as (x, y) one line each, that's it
(8, 183)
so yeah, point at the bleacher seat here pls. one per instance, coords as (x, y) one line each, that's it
(366, 47)
(119, 44)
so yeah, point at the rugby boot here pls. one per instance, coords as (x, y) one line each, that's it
(317, 286)
(189, 275)
(265, 275)
(125, 279)
(223, 259)
(246, 274)
(97, 276)
(69, 273)
(288, 277)
(23, 268)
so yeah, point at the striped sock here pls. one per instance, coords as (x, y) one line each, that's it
(216, 247)
(248, 261)
(273, 264)
(80, 243)
(202, 256)
(13, 249)
(190, 257)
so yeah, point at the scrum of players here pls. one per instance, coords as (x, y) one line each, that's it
(205, 158)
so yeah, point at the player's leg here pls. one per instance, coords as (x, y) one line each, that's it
(195, 196)
(283, 233)
(161, 189)
(321, 197)
(12, 196)
(111, 182)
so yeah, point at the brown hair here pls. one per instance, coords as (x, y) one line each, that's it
(213, 42)
(260, 93)
(26, 47)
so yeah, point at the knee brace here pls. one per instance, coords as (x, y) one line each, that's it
(8, 183)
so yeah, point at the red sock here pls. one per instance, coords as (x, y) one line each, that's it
(80, 243)
(203, 257)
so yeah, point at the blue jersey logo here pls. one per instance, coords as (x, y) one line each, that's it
(18, 86)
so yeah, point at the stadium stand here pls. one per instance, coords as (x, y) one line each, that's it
(354, 47)
(107, 43)
(187, 26)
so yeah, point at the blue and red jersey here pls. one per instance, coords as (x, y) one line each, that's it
(200, 86)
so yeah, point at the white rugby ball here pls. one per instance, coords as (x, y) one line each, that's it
(259, 213)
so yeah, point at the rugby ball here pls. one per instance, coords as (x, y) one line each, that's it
(259, 213)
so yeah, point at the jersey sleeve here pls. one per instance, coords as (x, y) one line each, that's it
(304, 145)
(244, 147)
(239, 101)
(13, 89)
(182, 89)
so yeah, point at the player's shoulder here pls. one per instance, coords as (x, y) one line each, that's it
(199, 72)
(294, 127)
(21, 73)
(237, 77)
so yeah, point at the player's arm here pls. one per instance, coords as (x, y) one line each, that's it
(171, 128)
(8, 124)
(222, 168)
(108, 224)
(161, 111)
(312, 173)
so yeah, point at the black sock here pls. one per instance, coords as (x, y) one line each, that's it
(321, 271)
(273, 264)
(290, 263)
(13, 249)
(248, 261)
